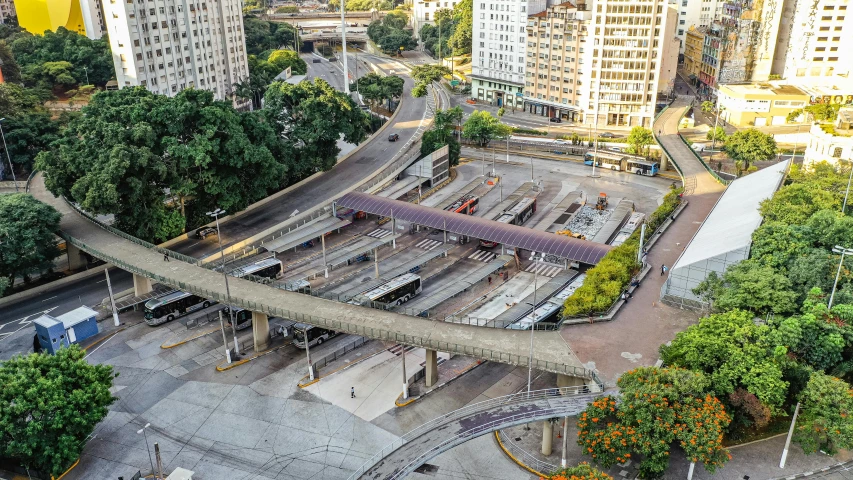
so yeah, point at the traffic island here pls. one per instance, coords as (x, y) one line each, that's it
(223, 366)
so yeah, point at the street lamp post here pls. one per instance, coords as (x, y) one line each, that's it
(87, 75)
(843, 251)
(8, 158)
(533, 257)
(344, 47)
(148, 447)
(215, 214)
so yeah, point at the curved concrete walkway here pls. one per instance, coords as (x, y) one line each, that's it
(431, 439)
(634, 335)
(499, 345)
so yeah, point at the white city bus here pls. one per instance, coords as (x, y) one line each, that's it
(395, 292)
(172, 306)
(516, 215)
(604, 159)
(313, 335)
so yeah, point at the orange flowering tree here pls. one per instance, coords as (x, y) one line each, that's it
(658, 408)
(582, 472)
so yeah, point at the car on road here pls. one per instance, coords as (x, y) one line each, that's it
(607, 135)
(205, 232)
(393, 137)
(614, 149)
(556, 120)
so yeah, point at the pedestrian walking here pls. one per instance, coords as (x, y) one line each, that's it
(625, 296)
(490, 280)
(165, 257)
(663, 269)
(645, 258)
(351, 392)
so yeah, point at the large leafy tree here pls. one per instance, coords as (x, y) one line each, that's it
(750, 146)
(583, 471)
(288, 58)
(16, 100)
(659, 408)
(49, 405)
(462, 36)
(826, 409)
(262, 35)
(425, 75)
(130, 145)
(8, 65)
(376, 88)
(735, 354)
(641, 139)
(482, 128)
(750, 286)
(441, 133)
(28, 230)
(390, 34)
(29, 133)
(84, 58)
(310, 118)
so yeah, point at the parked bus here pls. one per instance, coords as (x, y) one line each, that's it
(270, 268)
(241, 315)
(516, 215)
(395, 292)
(172, 306)
(604, 159)
(642, 167)
(467, 205)
(308, 334)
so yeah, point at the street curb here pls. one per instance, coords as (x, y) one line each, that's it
(35, 291)
(318, 378)
(66, 472)
(517, 461)
(173, 345)
(220, 368)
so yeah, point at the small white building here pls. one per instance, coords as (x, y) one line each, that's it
(423, 12)
(832, 143)
(724, 239)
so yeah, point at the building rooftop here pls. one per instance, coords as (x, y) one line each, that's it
(69, 319)
(541, 14)
(764, 88)
(735, 217)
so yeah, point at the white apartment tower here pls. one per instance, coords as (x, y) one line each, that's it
(698, 13)
(7, 10)
(499, 49)
(169, 45)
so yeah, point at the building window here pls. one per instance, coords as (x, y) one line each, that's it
(836, 152)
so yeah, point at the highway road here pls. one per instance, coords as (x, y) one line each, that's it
(307, 196)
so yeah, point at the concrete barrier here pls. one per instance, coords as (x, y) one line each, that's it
(35, 291)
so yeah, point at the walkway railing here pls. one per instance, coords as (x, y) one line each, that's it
(526, 458)
(714, 174)
(521, 397)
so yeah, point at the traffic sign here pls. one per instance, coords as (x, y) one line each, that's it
(454, 83)
(519, 94)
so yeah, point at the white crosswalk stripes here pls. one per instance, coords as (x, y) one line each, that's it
(544, 269)
(379, 233)
(428, 244)
(483, 256)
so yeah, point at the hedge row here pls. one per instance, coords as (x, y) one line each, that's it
(528, 131)
(607, 280)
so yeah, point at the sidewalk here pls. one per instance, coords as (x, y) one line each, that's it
(633, 337)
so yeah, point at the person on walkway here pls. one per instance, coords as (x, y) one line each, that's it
(351, 392)
(165, 257)
(490, 280)
(658, 132)
(663, 269)
(625, 296)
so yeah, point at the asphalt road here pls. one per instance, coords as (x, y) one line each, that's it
(306, 196)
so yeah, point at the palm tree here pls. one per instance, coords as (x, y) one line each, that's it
(243, 89)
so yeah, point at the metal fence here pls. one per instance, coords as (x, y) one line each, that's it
(521, 397)
(331, 357)
(702, 161)
(526, 458)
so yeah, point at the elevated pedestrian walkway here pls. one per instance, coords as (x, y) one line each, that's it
(146, 262)
(405, 455)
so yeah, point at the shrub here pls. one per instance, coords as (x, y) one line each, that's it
(528, 131)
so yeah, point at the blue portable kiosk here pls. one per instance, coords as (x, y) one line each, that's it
(72, 327)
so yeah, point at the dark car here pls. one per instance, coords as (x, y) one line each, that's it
(556, 120)
(205, 232)
(607, 135)
(393, 137)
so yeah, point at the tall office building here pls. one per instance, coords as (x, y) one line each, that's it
(499, 48)
(169, 45)
(696, 13)
(7, 10)
(607, 60)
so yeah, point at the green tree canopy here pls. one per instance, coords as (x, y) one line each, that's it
(718, 134)
(376, 88)
(708, 106)
(482, 127)
(640, 139)
(29, 231)
(826, 409)
(659, 408)
(441, 133)
(262, 35)
(29, 133)
(750, 146)
(390, 34)
(72, 57)
(751, 286)
(16, 99)
(130, 145)
(310, 118)
(8, 65)
(461, 39)
(734, 354)
(49, 405)
(288, 58)
(424, 75)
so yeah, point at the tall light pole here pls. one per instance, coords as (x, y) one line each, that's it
(87, 75)
(595, 146)
(148, 447)
(215, 214)
(344, 46)
(843, 251)
(533, 257)
(6, 148)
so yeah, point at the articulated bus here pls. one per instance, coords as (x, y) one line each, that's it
(467, 205)
(310, 335)
(270, 268)
(395, 292)
(641, 166)
(604, 159)
(172, 306)
(517, 215)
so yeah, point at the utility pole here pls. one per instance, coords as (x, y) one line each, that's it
(112, 300)
(344, 46)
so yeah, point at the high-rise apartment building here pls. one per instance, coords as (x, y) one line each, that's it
(7, 10)
(169, 45)
(499, 49)
(424, 11)
(815, 42)
(607, 60)
(696, 13)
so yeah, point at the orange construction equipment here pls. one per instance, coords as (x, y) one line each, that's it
(602, 201)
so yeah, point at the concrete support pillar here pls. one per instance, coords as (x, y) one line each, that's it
(141, 285)
(76, 257)
(664, 162)
(261, 331)
(564, 381)
(547, 437)
(431, 367)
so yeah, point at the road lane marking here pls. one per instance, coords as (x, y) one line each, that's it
(46, 299)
